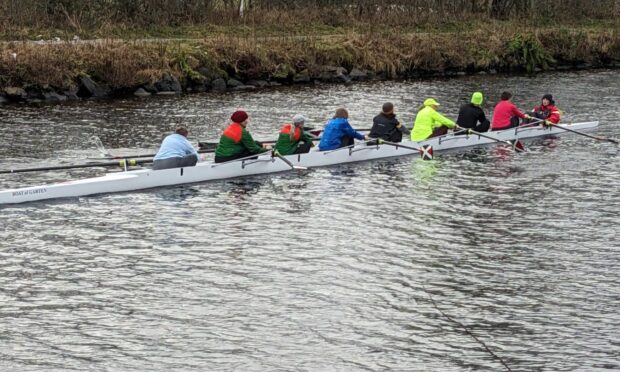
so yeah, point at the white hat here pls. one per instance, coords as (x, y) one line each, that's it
(298, 119)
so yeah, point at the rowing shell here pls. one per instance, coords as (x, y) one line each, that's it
(263, 164)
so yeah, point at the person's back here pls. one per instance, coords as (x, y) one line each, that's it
(471, 115)
(236, 142)
(506, 114)
(293, 139)
(430, 123)
(338, 132)
(175, 151)
(386, 127)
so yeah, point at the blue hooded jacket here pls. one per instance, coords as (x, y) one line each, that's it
(333, 132)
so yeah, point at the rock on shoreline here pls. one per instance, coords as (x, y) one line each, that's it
(88, 88)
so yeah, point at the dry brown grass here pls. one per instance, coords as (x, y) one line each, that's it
(123, 65)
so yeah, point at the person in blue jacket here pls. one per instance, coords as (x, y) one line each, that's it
(338, 132)
(176, 151)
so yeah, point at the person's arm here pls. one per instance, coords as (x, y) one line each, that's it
(189, 148)
(402, 128)
(442, 119)
(515, 111)
(305, 137)
(248, 143)
(482, 117)
(349, 131)
(554, 116)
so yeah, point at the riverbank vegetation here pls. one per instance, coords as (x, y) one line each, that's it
(230, 44)
(197, 18)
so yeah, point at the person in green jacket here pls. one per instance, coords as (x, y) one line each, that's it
(236, 142)
(429, 123)
(293, 139)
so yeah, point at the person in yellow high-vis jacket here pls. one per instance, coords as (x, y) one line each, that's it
(429, 123)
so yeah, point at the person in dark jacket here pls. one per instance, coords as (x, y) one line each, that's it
(471, 115)
(386, 127)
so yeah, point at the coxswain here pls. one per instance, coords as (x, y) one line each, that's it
(338, 132)
(506, 114)
(176, 151)
(385, 126)
(471, 115)
(293, 139)
(430, 123)
(547, 111)
(236, 142)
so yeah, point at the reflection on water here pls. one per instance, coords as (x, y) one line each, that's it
(326, 269)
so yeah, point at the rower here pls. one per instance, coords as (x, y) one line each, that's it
(506, 114)
(236, 142)
(471, 115)
(338, 132)
(293, 139)
(176, 151)
(430, 123)
(547, 111)
(385, 125)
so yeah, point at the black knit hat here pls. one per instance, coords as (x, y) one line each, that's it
(549, 97)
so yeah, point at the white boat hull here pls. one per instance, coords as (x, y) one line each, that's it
(264, 164)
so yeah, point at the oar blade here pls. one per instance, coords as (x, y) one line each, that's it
(426, 152)
(518, 146)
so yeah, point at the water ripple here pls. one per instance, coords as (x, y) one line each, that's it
(331, 269)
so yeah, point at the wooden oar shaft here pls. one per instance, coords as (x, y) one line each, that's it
(130, 162)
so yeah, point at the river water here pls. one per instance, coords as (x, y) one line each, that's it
(389, 265)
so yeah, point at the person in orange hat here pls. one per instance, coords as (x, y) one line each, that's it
(236, 142)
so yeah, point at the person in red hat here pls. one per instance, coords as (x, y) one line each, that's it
(236, 142)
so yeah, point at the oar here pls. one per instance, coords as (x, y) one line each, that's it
(276, 154)
(516, 145)
(153, 155)
(122, 163)
(612, 140)
(426, 151)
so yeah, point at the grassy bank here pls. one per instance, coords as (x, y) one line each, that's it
(20, 19)
(123, 66)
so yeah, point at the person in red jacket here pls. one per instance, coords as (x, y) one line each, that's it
(547, 111)
(506, 114)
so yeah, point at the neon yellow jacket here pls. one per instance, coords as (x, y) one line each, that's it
(426, 121)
